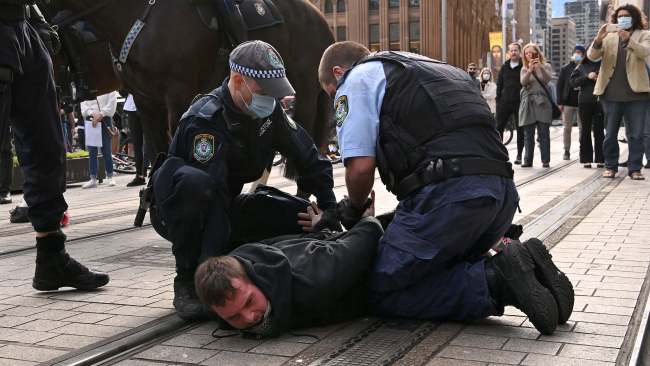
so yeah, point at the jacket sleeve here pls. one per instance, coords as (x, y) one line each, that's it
(595, 53)
(500, 82)
(561, 85)
(314, 171)
(640, 49)
(525, 78)
(578, 77)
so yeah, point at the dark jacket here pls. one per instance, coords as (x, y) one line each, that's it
(509, 83)
(566, 94)
(313, 280)
(586, 86)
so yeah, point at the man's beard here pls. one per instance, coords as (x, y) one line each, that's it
(265, 326)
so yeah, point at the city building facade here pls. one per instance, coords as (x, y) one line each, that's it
(586, 15)
(563, 41)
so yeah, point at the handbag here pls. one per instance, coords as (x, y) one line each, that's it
(556, 113)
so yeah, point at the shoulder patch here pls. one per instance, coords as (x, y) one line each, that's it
(203, 147)
(341, 109)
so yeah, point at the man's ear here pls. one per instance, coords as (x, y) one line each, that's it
(236, 79)
(338, 72)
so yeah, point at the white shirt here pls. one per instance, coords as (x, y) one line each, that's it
(105, 104)
(490, 95)
(357, 107)
(129, 104)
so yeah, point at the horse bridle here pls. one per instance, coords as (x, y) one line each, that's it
(75, 17)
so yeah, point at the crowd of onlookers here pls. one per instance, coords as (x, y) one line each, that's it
(602, 86)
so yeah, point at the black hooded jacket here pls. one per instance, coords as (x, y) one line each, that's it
(313, 280)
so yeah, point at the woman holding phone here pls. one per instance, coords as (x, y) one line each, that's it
(535, 110)
(622, 85)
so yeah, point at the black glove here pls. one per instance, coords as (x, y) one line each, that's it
(348, 214)
(329, 220)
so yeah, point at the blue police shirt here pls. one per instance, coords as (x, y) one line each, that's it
(358, 105)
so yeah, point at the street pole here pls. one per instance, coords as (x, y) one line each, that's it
(443, 32)
(504, 36)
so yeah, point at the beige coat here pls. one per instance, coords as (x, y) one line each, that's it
(535, 106)
(638, 48)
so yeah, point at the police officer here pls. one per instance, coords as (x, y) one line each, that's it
(226, 139)
(426, 128)
(28, 100)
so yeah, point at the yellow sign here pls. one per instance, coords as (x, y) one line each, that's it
(496, 39)
(496, 48)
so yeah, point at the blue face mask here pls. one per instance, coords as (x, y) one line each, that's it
(261, 106)
(624, 22)
(578, 57)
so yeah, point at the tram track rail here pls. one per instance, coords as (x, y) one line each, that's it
(128, 344)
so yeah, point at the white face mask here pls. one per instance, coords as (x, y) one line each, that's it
(261, 106)
(486, 77)
(624, 22)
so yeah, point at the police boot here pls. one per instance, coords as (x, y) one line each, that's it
(511, 281)
(186, 302)
(551, 277)
(56, 269)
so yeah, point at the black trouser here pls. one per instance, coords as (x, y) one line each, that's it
(30, 102)
(6, 161)
(504, 111)
(137, 138)
(200, 222)
(591, 119)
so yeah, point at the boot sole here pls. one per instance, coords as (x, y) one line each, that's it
(535, 300)
(552, 278)
(45, 286)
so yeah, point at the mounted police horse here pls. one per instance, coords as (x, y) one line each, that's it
(175, 55)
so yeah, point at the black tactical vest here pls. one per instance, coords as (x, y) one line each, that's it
(424, 100)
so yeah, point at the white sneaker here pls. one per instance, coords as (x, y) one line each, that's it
(110, 181)
(92, 183)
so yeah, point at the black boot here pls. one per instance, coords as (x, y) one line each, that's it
(186, 302)
(511, 281)
(552, 278)
(56, 269)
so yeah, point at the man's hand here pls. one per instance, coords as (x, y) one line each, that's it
(592, 76)
(96, 118)
(602, 33)
(370, 211)
(310, 218)
(624, 35)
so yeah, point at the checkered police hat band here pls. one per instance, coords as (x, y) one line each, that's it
(258, 74)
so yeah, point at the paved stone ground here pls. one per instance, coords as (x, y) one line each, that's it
(606, 260)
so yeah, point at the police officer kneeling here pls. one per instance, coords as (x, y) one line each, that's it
(424, 125)
(226, 139)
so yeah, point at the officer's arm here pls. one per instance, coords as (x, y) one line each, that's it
(359, 178)
(314, 171)
(500, 82)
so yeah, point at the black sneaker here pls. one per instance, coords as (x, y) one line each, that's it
(186, 302)
(527, 164)
(137, 181)
(518, 160)
(5, 198)
(57, 269)
(511, 281)
(551, 277)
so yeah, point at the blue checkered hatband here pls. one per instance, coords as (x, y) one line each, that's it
(258, 74)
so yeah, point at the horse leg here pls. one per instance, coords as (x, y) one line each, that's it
(153, 116)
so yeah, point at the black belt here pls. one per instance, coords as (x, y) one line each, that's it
(439, 170)
(13, 12)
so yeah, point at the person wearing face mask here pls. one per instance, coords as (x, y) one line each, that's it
(622, 85)
(224, 140)
(488, 89)
(567, 97)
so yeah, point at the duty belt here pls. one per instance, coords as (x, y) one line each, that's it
(13, 12)
(438, 170)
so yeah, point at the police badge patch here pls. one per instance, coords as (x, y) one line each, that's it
(274, 59)
(260, 9)
(341, 109)
(203, 147)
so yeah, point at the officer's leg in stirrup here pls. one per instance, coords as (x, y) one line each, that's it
(6, 78)
(234, 21)
(75, 49)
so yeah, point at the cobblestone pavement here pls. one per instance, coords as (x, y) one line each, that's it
(605, 255)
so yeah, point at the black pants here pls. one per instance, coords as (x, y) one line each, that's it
(31, 106)
(504, 112)
(137, 138)
(200, 222)
(6, 161)
(591, 119)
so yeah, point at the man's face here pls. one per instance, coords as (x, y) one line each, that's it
(513, 51)
(247, 87)
(471, 69)
(246, 306)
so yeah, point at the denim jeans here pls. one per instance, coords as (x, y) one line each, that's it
(543, 132)
(634, 113)
(646, 133)
(106, 151)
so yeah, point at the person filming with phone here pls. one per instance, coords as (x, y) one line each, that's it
(623, 85)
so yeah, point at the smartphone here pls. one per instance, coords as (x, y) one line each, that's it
(611, 28)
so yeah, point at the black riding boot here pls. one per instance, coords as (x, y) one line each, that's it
(56, 269)
(511, 281)
(186, 302)
(234, 20)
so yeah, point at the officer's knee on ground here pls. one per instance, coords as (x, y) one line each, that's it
(194, 185)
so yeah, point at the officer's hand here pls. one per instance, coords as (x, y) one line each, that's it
(350, 215)
(370, 211)
(310, 218)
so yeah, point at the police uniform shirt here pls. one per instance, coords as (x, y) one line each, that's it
(357, 108)
(234, 149)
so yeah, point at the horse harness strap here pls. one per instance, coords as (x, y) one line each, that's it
(73, 18)
(132, 36)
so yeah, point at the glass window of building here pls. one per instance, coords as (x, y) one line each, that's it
(414, 3)
(414, 37)
(341, 33)
(328, 6)
(393, 36)
(373, 5)
(340, 6)
(374, 37)
(393, 3)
